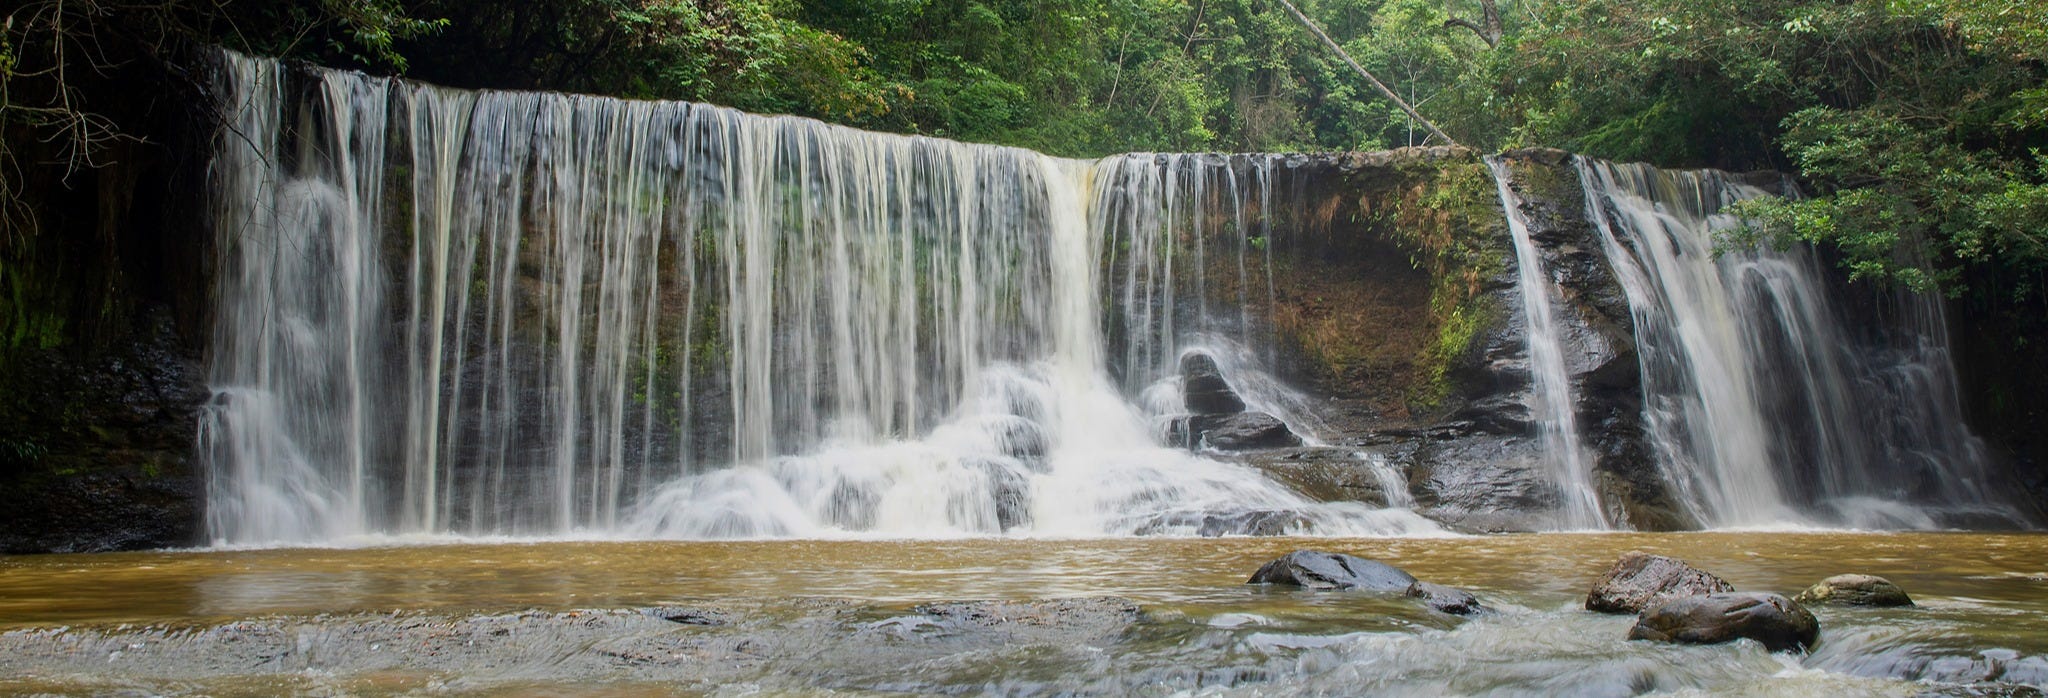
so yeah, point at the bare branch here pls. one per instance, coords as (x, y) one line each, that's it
(1488, 27)
(1382, 87)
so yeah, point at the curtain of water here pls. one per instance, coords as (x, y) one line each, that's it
(1551, 402)
(519, 313)
(1764, 406)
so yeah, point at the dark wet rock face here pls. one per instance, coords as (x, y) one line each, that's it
(1309, 569)
(1203, 389)
(1639, 581)
(1781, 624)
(1217, 418)
(1244, 431)
(1856, 590)
(1321, 473)
(97, 452)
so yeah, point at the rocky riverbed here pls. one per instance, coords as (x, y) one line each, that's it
(1005, 617)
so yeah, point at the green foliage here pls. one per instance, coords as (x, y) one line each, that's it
(1916, 121)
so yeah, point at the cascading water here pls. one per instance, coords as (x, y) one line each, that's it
(1551, 402)
(573, 315)
(1182, 229)
(1762, 405)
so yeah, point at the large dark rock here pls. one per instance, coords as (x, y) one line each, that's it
(1479, 482)
(1856, 590)
(1777, 622)
(1309, 569)
(1322, 571)
(1203, 389)
(1244, 431)
(1323, 474)
(1640, 580)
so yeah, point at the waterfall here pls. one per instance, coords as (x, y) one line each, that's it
(456, 312)
(1551, 403)
(1181, 230)
(1763, 403)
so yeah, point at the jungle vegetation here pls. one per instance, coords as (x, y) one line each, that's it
(1917, 126)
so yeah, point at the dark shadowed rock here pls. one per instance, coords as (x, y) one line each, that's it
(1323, 474)
(1309, 569)
(1203, 389)
(1457, 602)
(1777, 622)
(1640, 580)
(1855, 590)
(1244, 431)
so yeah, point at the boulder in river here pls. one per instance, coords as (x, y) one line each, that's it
(1781, 624)
(1855, 590)
(1322, 571)
(1310, 569)
(1639, 581)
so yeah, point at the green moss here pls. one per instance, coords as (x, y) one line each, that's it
(1452, 219)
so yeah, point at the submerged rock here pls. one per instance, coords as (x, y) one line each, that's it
(1639, 581)
(1856, 590)
(1781, 624)
(1310, 569)
(1322, 571)
(1454, 601)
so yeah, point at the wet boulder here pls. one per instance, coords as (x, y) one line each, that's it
(1640, 581)
(1321, 571)
(1202, 388)
(1779, 623)
(1454, 601)
(1247, 431)
(1855, 590)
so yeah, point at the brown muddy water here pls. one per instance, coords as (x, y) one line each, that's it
(1128, 617)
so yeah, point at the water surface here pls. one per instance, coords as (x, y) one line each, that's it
(1982, 619)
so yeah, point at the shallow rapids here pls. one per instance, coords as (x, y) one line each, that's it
(794, 617)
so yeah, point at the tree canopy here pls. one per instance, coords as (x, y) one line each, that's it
(1917, 124)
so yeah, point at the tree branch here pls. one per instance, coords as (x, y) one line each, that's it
(1488, 27)
(1382, 87)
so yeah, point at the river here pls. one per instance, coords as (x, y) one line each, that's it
(858, 617)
